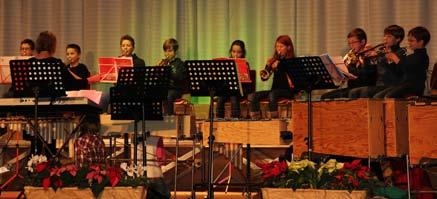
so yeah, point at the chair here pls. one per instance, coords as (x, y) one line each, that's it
(183, 105)
(244, 102)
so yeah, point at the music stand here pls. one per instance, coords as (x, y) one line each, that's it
(211, 78)
(138, 96)
(38, 78)
(46, 76)
(308, 74)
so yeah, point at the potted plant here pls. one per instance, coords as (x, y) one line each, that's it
(50, 179)
(306, 179)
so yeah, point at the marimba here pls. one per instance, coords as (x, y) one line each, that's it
(56, 118)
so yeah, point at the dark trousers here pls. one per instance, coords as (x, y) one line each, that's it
(172, 95)
(399, 92)
(235, 106)
(365, 92)
(338, 93)
(273, 96)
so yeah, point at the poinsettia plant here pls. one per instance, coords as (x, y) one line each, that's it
(305, 174)
(45, 173)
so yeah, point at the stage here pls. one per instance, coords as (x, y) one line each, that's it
(365, 129)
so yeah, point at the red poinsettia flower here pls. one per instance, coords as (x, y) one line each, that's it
(339, 177)
(354, 164)
(95, 167)
(94, 175)
(41, 167)
(72, 169)
(349, 179)
(272, 169)
(46, 183)
(355, 183)
(114, 175)
(363, 172)
(53, 171)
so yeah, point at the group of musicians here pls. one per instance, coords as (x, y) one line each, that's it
(382, 71)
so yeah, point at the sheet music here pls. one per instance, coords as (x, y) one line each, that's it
(92, 95)
(337, 76)
(242, 66)
(109, 67)
(338, 61)
(5, 70)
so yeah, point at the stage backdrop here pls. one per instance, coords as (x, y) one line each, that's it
(206, 28)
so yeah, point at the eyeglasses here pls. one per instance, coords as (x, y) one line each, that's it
(352, 42)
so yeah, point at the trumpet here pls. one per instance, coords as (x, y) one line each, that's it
(379, 47)
(350, 58)
(165, 62)
(266, 73)
(381, 52)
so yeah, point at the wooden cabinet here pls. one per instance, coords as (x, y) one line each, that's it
(348, 128)
(422, 125)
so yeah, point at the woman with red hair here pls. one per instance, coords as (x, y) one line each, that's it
(282, 86)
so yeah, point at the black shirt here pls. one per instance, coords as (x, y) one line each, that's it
(138, 62)
(366, 74)
(389, 74)
(178, 78)
(414, 67)
(280, 77)
(72, 83)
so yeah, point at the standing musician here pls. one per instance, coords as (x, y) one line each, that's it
(178, 80)
(388, 72)
(45, 49)
(282, 86)
(413, 66)
(357, 64)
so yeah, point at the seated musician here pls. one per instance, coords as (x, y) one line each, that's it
(78, 72)
(27, 46)
(414, 66)
(388, 72)
(178, 81)
(237, 50)
(357, 64)
(282, 86)
(127, 47)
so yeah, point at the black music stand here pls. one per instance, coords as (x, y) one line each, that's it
(138, 96)
(308, 74)
(44, 76)
(211, 78)
(38, 78)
